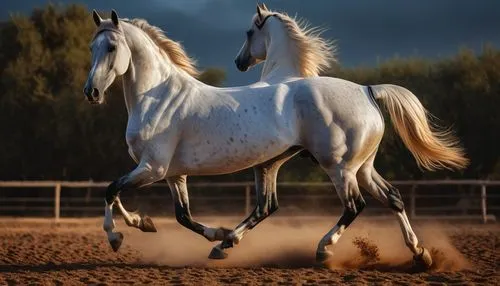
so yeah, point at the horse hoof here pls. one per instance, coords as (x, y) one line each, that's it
(116, 241)
(222, 233)
(323, 256)
(217, 253)
(423, 261)
(147, 225)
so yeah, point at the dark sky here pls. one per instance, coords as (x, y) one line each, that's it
(366, 31)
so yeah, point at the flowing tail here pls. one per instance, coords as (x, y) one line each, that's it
(432, 146)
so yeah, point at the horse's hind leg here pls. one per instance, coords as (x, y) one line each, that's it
(266, 197)
(348, 192)
(372, 182)
(179, 190)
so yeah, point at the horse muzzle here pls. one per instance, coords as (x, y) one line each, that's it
(242, 65)
(93, 95)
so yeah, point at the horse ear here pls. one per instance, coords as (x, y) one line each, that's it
(114, 17)
(97, 18)
(259, 11)
(263, 7)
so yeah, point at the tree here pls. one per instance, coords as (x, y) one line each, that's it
(48, 130)
(52, 133)
(463, 92)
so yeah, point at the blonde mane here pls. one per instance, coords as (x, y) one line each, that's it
(173, 49)
(314, 54)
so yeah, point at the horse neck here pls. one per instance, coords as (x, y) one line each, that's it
(280, 59)
(150, 78)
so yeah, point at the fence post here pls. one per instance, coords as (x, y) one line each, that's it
(57, 202)
(247, 199)
(483, 203)
(413, 202)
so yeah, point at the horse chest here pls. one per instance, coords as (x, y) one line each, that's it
(138, 143)
(135, 146)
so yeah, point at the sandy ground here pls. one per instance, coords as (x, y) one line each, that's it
(278, 252)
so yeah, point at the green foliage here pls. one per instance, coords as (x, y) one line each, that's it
(463, 92)
(50, 132)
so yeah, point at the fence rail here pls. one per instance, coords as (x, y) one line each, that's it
(247, 187)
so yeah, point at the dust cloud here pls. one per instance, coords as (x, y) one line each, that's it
(291, 243)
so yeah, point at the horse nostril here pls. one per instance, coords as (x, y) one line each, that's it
(240, 65)
(87, 90)
(95, 93)
(92, 94)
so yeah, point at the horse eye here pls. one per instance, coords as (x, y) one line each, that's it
(111, 48)
(249, 33)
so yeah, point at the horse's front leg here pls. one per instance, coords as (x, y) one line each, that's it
(180, 196)
(266, 197)
(145, 174)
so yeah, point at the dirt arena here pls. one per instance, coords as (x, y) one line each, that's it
(279, 252)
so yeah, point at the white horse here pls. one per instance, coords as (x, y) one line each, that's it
(178, 126)
(288, 51)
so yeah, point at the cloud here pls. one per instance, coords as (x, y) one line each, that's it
(184, 6)
(219, 15)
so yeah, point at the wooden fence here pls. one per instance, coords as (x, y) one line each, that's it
(247, 187)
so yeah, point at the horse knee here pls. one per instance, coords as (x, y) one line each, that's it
(356, 202)
(351, 211)
(111, 192)
(267, 206)
(183, 220)
(394, 200)
(182, 217)
(261, 213)
(273, 204)
(360, 204)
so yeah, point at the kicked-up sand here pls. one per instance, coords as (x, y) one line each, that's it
(279, 251)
